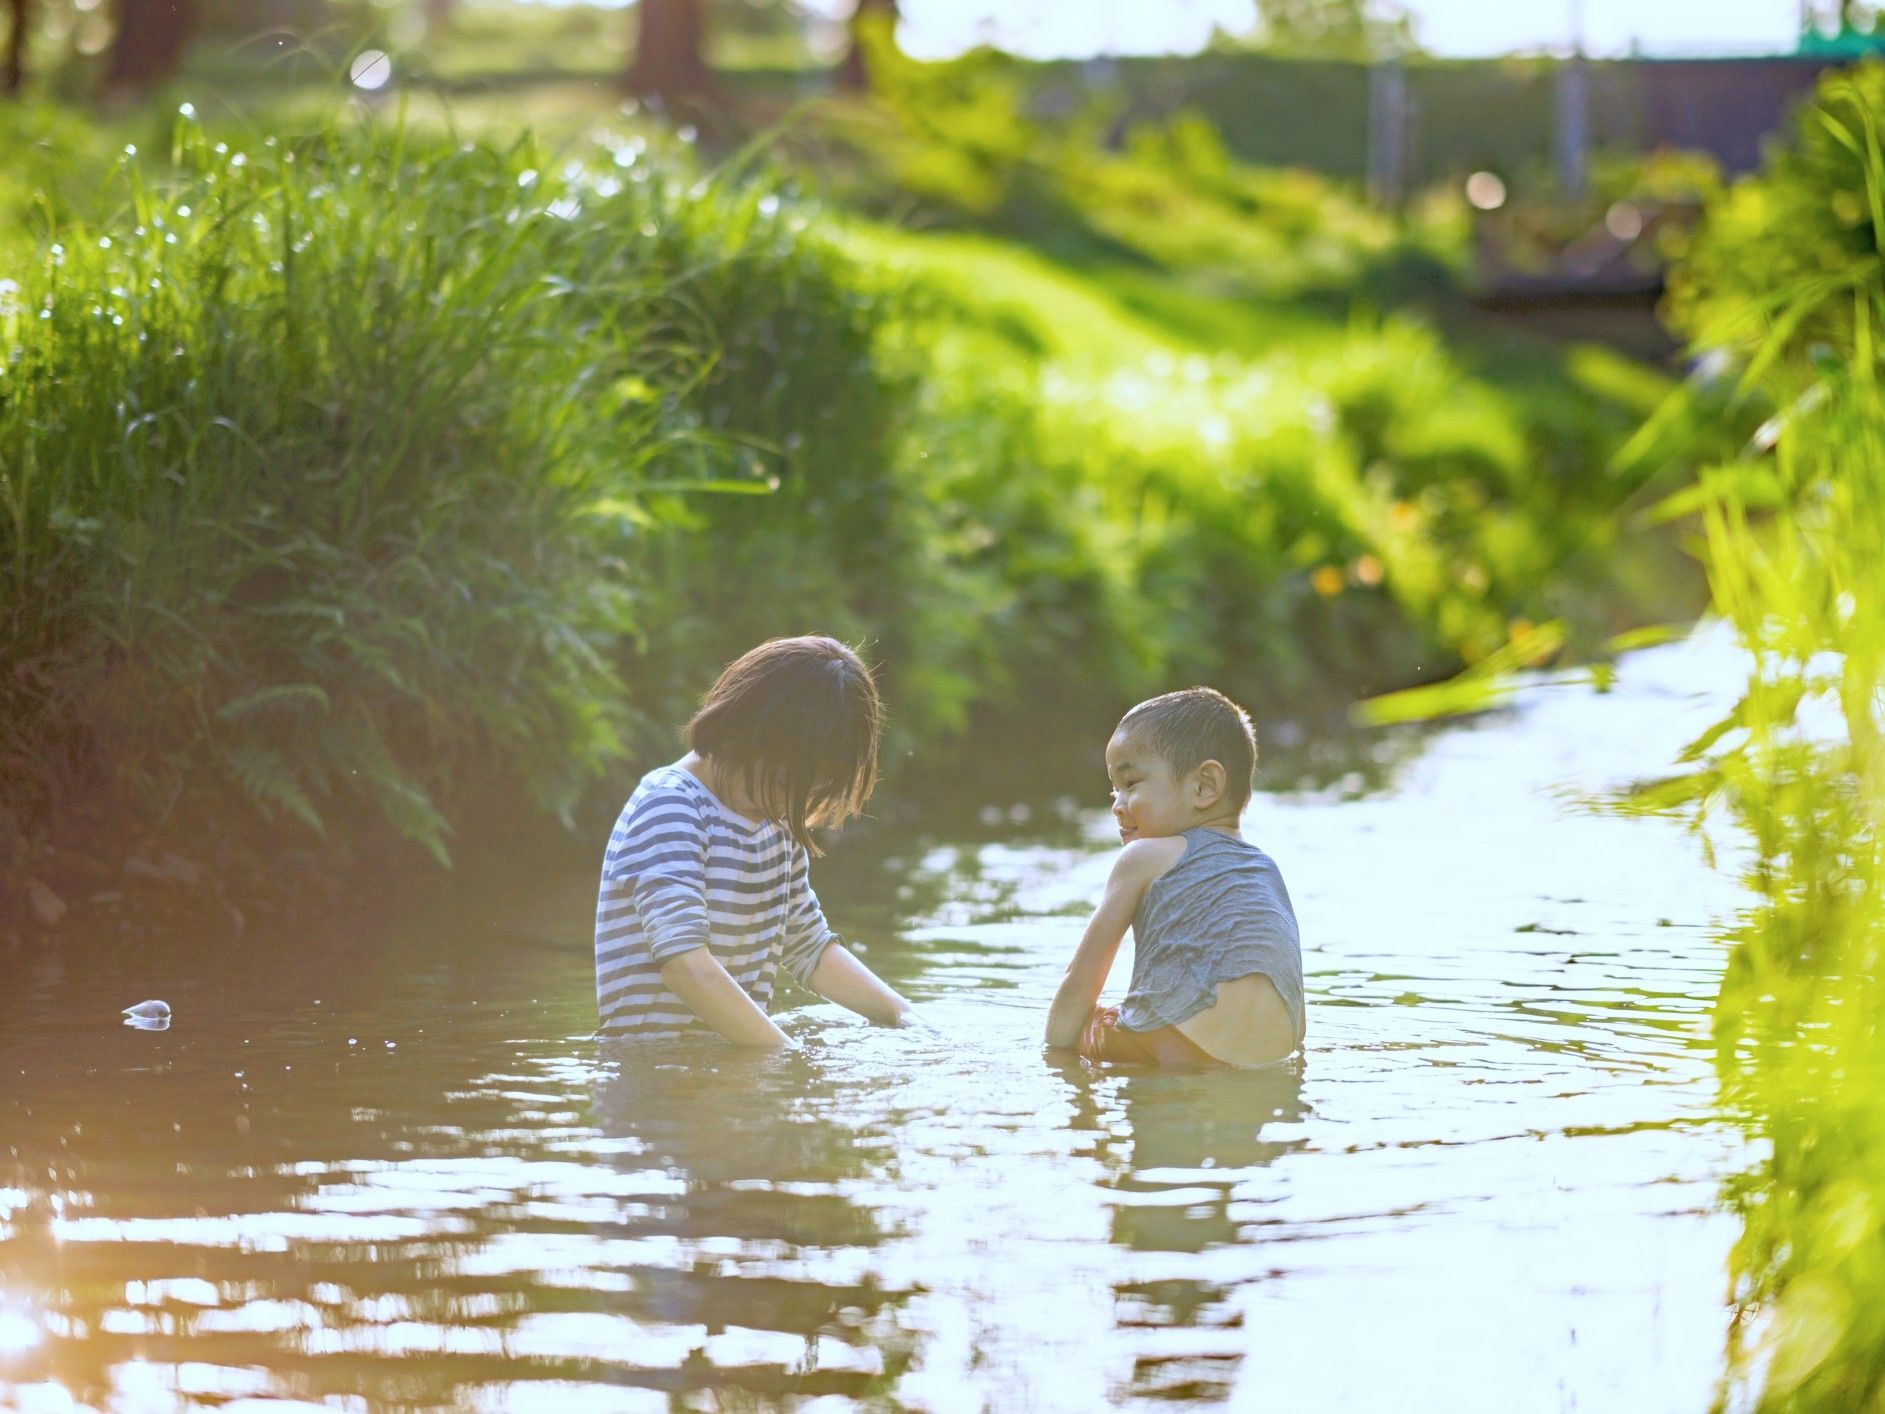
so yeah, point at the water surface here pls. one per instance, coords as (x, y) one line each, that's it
(395, 1172)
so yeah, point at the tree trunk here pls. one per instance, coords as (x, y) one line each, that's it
(870, 15)
(13, 63)
(149, 45)
(670, 52)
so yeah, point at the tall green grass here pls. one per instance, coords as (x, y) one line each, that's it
(294, 473)
(322, 464)
(1788, 278)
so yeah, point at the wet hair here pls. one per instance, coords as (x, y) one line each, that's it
(1186, 729)
(796, 722)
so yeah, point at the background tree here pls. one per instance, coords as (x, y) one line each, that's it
(873, 22)
(1837, 16)
(670, 62)
(1335, 29)
(148, 46)
(13, 61)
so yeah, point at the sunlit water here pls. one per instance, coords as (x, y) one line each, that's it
(399, 1174)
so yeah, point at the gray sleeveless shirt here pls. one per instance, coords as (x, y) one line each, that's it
(1219, 913)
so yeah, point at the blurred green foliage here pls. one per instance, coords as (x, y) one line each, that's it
(478, 457)
(1206, 330)
(54, 159)
(1638, 214)
(1786, 288)
(1291, 109)
(971, 142)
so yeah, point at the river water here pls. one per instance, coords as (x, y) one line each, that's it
(395, 1173)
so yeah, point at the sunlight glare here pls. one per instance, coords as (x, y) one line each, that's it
(47, 1398)
(19, 1332)
(1060, 29)
(138, 1385)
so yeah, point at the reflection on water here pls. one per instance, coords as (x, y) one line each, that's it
(397, 1173)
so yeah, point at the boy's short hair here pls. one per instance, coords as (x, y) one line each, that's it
(797, 721)
(1185, 729)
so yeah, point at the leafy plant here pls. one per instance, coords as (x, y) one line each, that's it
(315, 468)
(1788, 280)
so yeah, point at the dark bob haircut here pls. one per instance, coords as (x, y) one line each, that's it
(1186, 729)
(796, 721)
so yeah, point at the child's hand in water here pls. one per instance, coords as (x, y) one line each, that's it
(910, 1019)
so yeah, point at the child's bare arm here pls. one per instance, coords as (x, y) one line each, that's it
(1138, 864)
(697, 978)
(841, 978)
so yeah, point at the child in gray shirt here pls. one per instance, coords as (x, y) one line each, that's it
(1217, 966)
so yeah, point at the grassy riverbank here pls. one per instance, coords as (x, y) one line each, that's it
(346, 474)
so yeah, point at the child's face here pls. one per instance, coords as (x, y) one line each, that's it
(1149, 801)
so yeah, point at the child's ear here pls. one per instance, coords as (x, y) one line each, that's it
(1211, 780)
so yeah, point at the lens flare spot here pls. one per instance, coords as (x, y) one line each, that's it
(1624, 221)
(371, 69)
(1485, 191)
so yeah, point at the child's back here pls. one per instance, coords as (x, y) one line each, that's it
(1216, 953)
(683, 871)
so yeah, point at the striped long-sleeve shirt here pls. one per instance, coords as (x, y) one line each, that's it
(682, 870)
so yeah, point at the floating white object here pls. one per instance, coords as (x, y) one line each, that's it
(149, 1011)
(48, 907)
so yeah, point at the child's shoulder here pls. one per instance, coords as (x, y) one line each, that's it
(1143, 860)
(672, 776)
(661, 814)
(666, 786)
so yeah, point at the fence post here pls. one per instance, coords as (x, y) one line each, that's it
(1387, 133)
(1573, 127)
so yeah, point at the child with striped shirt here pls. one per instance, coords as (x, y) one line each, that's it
(704, 887)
